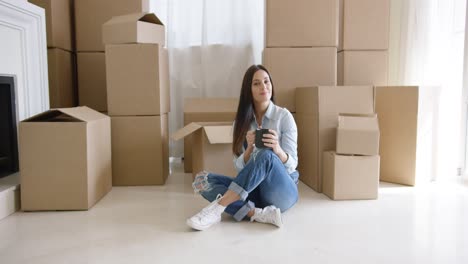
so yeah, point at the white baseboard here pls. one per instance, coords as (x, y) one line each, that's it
(9, 195)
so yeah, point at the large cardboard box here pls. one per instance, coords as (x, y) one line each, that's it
(299, 67)
(140, 150)
(92, 91)
(363, 67)
(62, 78)
(302, 23)
(408, 121)
(364, 24)
(348, 177)
(317, 119)
(357, 134)
(65, 159)
(59, 23)
(212, 147)
(90, 15)
(206, 110)
(137, 79)
(134, 28)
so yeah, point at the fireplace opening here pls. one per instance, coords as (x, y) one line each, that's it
(8, 132)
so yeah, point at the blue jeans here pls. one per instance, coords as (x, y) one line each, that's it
(262, 182)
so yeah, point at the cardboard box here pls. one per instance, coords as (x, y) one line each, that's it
(317, 119)
(364, 25)
(347, 177)
(357, 134)
(363, 68)
(408, 121)
(65, 159)
(62, 78)
(59, 23)
(134, 28)
(92, 91)
(90, 15)
(206, 110)
(137, 79)
(212, 147)
(299, 67)
(140, 150)
(302, 23)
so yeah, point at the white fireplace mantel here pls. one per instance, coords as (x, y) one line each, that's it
(23, 54)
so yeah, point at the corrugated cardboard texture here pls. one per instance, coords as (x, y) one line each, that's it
(397, 108)
(363, 68)
(137, 79)
(211, 146)
(366, 24)
(206, 110)
(302, 23)
(215, 158)
(91, 14)
(317, 119)
(62, 78)
(92, 90)
(134, 28)
(59, 23)
(350, 177)
(357, 135)
(299, 67)
(140, 153)
(65, 160)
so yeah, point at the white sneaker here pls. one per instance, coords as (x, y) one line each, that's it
(208, 216)
(268, 215)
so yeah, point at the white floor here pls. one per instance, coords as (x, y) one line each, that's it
(427, 224)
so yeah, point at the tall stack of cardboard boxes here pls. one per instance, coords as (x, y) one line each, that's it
(352, 171)
(60, 52)
(364, 40)
(301, 46)
(317, 118)
(89, 16)
(138, 98)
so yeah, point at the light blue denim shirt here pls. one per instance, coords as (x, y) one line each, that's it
(282, 121)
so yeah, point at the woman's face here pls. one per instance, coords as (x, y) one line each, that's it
(261, 87)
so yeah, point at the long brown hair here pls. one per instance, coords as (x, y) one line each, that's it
(245, 110)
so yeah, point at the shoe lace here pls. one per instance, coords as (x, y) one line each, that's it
(208, 211)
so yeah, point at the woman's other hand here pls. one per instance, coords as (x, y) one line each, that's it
(272, 141)
(250, 138)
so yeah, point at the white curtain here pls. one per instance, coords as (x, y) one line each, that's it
(427, 47)
(211, 43)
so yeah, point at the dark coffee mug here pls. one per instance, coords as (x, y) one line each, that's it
(259, 136)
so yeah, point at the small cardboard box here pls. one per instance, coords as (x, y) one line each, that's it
(137, 79)
(302, 23)
(317, 119)
(212, 147)
(140, 150)
(408, 122)
(357, 134)
(92, 90)
(91, 14)
(59, 23)
(65, 159)
(206, 110)
(299, 67)
(368, 67)
(347, 177)
(134, 28)
(364, 24)
(62, 78)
